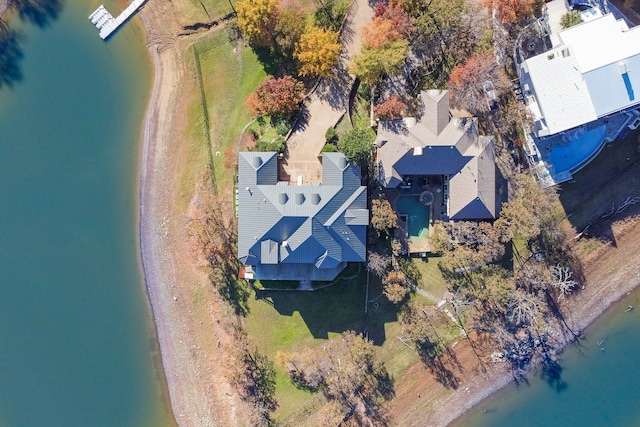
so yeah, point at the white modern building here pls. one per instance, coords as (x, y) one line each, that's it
(592, 71)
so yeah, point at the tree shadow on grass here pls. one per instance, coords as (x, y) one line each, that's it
(274, 63)
(591, 200)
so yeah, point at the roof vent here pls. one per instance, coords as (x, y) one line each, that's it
(299, 198)
(342, 162)
(283, 198)
(315, 198)
(257, 162)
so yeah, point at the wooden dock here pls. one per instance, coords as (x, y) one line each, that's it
(107, 24)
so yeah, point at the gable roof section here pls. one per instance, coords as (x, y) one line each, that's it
(431, 161)
(473, 194)
(300, 232)
(436, 110)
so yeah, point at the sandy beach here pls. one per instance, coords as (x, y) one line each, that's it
(190, 357)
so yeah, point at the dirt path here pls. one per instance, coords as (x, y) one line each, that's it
(327, 104)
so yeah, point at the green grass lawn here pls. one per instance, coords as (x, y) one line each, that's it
(431, 278)
(190, 12)
(283, 322)
(287, 322)
(230, 72)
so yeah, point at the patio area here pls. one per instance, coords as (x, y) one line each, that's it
(419, 202)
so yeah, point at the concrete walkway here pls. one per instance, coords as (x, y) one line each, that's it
(327, 104)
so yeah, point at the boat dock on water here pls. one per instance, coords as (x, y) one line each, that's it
(107, 24)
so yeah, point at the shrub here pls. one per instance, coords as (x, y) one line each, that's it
(331, 135)
(329, 148)
(357, 144)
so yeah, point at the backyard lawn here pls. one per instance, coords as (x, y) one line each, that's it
(281, 322)
(287, 322)
(596, 187)
(230, 72)
(431, 279)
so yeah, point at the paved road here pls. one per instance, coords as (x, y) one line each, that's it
(325, 106)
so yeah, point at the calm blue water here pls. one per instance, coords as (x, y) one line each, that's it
(603, 387)
(568, 157)
(75, 338)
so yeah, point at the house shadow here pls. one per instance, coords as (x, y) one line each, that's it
(335, 309)
(603, 192)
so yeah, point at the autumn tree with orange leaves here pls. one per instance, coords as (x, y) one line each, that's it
(512, 10)
(466, 82)
(384, 44)
(390, 109)
(279, 97)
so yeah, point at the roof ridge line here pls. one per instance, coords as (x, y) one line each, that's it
(329, 222)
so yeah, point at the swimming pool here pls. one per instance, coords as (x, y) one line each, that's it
(417, 216)
(580, 150)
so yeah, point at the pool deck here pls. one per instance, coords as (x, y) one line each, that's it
(413, 245)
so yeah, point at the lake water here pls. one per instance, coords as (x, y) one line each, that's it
(603, 386)
(76, 342)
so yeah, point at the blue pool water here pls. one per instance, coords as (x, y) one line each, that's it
(417, 215)
(569, 157)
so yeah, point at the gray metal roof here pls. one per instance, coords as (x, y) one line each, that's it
(456, 151)
(308, 232)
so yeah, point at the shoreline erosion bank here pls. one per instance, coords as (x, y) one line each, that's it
(186, 334)
(153, 250)
(588, 309)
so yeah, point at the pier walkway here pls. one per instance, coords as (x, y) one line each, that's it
(107, 24)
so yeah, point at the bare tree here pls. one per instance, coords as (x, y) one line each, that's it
(347, 372)
(378, 263)
(524, 307)
(562, 280)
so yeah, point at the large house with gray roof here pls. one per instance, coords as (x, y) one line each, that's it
(442, 154)
(299, 232)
